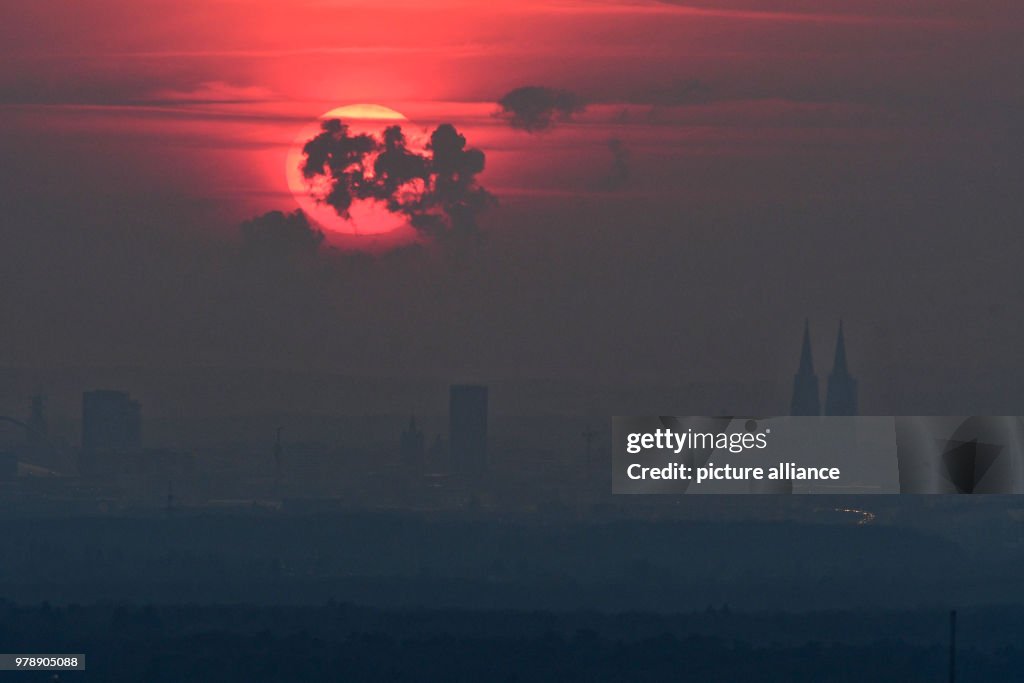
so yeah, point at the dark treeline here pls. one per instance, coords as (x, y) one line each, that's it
(393, 560)
(342, 642)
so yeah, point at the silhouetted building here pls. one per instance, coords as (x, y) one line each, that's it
(841, 397)
(278, 460)
(467, 428)
(412, 446)
(805, 383)
(111, 420)
(38, 425)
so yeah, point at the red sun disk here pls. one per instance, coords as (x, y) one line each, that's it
(367, 217)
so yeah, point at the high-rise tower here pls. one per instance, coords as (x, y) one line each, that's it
(38, 425)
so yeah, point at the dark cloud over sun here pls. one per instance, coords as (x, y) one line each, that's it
(436, 189)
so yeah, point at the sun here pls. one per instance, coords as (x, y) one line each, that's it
(368, 217)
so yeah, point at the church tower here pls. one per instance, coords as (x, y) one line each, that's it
(841, 397)
(805, 382)
(412, 445)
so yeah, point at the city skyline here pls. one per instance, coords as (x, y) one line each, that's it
(547, 340)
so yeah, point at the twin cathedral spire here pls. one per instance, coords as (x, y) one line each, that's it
(841, 390)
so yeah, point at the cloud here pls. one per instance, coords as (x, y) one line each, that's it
(926, 13)
(214, 92)
(535, 108)
(680, 92)
(437, 190)
(134, 87)
(277, 234)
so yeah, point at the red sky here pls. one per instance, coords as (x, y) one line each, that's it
(222, 85)
(776, 142)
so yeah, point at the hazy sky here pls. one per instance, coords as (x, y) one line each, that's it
(740, 165)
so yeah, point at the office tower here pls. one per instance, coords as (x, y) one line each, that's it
(38, 425)
(467, 429)
(278, 458)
